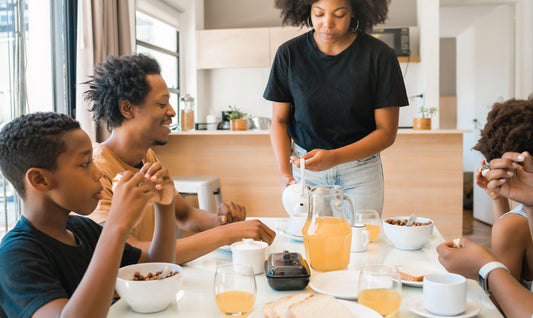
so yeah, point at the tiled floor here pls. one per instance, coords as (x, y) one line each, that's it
(477, 231)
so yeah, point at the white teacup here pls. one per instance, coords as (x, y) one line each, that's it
(360, 238)
(250, 252)
(296, 223)
(444, 294)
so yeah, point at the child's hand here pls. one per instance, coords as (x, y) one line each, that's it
(482, 182)
(132, 194)
(163, 186)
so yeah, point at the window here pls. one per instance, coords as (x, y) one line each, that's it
(33, 61)
(160, 41)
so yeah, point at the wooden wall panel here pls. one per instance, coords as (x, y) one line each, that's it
(423, 173)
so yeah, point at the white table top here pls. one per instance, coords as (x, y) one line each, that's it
(196, 298)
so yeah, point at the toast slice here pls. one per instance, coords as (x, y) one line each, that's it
(410, 274)
(279, 308)
(319, 306)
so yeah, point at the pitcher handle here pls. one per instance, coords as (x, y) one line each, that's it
(351, 203)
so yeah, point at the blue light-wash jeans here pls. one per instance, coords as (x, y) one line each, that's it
(362, 180)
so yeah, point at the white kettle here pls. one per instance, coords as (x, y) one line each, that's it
(295, 196)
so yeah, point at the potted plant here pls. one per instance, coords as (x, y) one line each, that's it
(237, 118)
(424, 122)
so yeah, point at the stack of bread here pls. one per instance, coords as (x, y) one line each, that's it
(306, 305)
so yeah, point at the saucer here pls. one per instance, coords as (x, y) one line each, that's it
(416, 305)
(298, 238)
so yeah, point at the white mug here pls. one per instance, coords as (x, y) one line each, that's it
(359, 238)
(444, 294)
(250, 252)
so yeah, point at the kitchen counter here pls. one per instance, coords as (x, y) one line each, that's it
(423, 171)
(266, 132)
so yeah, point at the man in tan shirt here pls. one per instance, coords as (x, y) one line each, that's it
(132, 99)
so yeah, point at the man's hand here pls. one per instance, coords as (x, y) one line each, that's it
(466, 260)
(512, 177)
(163, 186)
(229, 212)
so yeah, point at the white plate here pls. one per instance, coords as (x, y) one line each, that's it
(416, 305)
(341, 284)
(426, 268)
(359, 310)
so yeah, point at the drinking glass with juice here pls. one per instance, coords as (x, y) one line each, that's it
(235, 289)
(372, 222)
(380, 288)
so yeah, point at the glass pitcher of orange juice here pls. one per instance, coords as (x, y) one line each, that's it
(327, 233)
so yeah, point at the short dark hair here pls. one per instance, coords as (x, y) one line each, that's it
(32, 141)
(119, 79)
(509, 127)
(367, 12)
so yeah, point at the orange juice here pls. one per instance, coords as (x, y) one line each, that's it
(235, 301)
(327, 243)
(373, 231)
(384, 301)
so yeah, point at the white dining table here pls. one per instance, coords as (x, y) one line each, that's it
(196, 298)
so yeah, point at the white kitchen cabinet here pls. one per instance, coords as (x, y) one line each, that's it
(233, 48)
(247, 47)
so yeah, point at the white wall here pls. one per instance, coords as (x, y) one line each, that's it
(244, 87)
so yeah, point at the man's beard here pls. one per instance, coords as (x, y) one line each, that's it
(160, 143)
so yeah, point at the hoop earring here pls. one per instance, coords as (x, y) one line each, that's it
(353, 27)
(309, 22)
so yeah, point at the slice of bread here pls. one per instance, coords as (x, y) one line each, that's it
(279, 308)
(411, 274)
(319, 306)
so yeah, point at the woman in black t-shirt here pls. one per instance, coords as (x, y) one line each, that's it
(336, 93)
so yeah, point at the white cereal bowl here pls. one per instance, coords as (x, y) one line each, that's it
(408, 238)
(149, 295)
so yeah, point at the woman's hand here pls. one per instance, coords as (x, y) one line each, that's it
(287, 180)
(163, 186)
(317, 160)
(465, 260)
(482, 182)
(510, 179)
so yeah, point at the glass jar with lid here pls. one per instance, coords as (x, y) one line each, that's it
(187, 112)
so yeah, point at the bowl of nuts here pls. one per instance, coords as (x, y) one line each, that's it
(405, 237)
(148, 287)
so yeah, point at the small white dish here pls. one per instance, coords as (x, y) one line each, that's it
(341, 284)
(359, 310)
(412, 284)
(298, 238)
(416, 305)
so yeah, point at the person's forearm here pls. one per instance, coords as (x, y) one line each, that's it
(281, 145)
(500, 206)
(199, 244)
(163, 244)
(373, 143)
(92, 297)
(514, 299)
(197, 220)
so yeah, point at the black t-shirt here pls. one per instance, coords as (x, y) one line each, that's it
(333, 98)
(36, 268)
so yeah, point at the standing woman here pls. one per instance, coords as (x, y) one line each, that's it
(336, 92)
